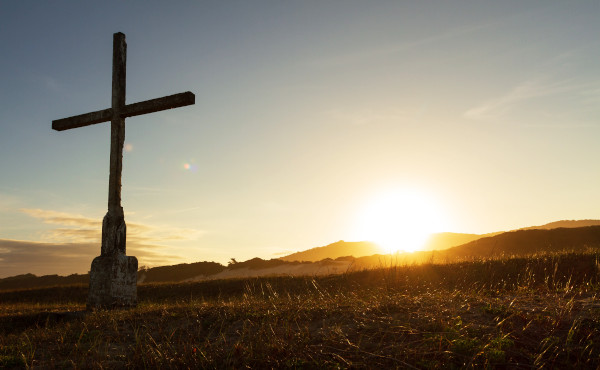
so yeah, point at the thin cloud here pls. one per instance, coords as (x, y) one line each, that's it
(71, 246)
(20, 257)
(158, 234)
(526, 91)
(60, 218)
(73, 235)
(554, 78)
(172, 212)
(391, 49)
(81, 229)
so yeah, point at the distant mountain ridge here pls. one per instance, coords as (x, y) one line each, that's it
(439, 241)
(335, 250)
(436, 242)
(511, 244)
(341, 256)
(525, 242)
(564, 224)
(181, 272)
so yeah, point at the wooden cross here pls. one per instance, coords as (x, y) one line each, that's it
(117, 114)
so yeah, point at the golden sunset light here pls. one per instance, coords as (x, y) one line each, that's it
(400, 220)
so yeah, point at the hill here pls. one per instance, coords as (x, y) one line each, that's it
(344, 256)
(518, 243)
(528, 242)
(335, 250)
(28, 281)
(181, 272)
(342, 248)
(437, 241)
(175, 273)
(564, 224)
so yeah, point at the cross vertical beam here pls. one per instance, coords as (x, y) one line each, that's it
(117, 124)
(114, 229)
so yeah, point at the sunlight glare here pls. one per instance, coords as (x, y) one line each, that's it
(401, 220)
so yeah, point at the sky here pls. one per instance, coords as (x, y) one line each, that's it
(307, 114)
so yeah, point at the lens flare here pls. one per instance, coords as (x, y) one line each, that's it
(190, 167)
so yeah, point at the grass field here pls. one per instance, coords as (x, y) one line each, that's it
(540, 312)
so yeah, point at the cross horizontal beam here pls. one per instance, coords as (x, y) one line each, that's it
(130, 110)
(82, 120)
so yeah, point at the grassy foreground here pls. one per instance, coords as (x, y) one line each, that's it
(514, 313)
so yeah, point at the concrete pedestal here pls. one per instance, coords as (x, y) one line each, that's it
(113, 282)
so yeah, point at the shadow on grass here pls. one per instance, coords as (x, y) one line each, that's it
(20, 322)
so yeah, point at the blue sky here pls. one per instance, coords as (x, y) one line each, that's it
(305, 112)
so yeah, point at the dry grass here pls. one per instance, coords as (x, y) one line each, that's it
(515, 313)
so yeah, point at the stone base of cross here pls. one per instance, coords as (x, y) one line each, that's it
(113, 282)
(113, 276)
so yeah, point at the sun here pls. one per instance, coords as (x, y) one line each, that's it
(400, 220)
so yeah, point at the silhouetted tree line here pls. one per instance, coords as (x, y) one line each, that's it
(28, 281)
(179, 272)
